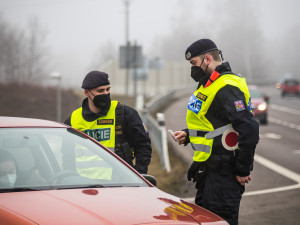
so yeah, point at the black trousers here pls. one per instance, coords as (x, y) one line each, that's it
(221, 194)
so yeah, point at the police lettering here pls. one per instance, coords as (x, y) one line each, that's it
(99, 134)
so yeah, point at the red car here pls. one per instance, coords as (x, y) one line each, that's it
(53, 174)
(259, 104)
(290, 86)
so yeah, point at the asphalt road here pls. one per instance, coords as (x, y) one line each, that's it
(273, 196)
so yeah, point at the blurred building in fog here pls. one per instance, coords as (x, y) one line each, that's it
(173, 74)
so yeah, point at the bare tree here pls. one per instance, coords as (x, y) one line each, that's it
(241, 39)
(103, 55)
(10, 59)
(36, 57)
(23, 56)
(232, 24)
(185, 29)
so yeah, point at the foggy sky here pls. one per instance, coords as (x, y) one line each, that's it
(76, 29)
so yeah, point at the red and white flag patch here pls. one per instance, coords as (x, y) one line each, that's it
(239, 105)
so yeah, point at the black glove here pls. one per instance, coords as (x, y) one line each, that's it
(200, 178)
(194, 169)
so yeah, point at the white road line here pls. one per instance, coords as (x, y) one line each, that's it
(272, 190)
(296, 152)
(284, 123)
(270, 136)
(285, 109)
(276, 168)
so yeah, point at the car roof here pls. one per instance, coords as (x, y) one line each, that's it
(251, 86)
(6, 121)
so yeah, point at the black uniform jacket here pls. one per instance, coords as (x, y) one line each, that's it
(135, 133)
(223, 111)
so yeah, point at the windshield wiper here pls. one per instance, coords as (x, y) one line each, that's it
(81, 186)
(95, 186)
(19, 189)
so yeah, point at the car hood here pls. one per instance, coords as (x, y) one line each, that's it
(105, 206)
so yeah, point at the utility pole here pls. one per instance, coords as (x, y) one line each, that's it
(134, 74)
(57, 76)
(127, 48)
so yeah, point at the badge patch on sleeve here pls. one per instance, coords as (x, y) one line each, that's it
(201, 96)
(194, 104)
(239, 105)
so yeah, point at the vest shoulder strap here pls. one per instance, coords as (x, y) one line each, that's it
(230, 73)
(120, 137)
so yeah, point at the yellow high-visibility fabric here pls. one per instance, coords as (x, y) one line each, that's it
(103, 130)
(198, 106)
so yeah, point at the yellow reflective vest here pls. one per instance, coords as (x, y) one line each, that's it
(102, 130)
(199, 103)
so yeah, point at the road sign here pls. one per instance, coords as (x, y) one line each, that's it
(130, 57)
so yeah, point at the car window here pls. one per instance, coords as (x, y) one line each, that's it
(254, 93)
(50, 158)
(291, 82)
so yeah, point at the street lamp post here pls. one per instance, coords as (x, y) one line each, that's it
(57, 76)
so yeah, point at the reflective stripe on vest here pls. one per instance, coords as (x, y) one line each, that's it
(103, 130)
(201, 148)
(197, 133)
(201, 130)
(209, 135)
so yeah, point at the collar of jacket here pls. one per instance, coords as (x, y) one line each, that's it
(223, 68)
(88, 115)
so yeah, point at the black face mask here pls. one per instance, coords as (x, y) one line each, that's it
(197, 72)
(102, 101)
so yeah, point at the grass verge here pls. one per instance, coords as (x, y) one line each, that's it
(174, 182)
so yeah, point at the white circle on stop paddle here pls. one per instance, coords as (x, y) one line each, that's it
(225, 145)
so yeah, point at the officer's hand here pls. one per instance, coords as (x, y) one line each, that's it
(180, 136)
(194, 168)
(243, 180)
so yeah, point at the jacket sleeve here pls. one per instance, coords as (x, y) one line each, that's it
(68, 121)
(187, 141)
(137, 136)
(242, 120)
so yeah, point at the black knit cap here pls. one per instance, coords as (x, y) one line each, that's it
(200, 47)
(95, 79)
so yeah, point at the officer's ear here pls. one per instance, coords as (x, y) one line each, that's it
(86, 92)
(208, 58)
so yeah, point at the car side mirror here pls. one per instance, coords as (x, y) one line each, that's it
(150, 178)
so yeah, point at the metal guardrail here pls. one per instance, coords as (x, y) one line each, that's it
(158, 136)
(156, 126)
(158, 133)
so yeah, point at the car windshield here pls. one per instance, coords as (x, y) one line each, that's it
(57, 158)
(254, 93)
(291, 82)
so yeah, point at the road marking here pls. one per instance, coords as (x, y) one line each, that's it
(285, 109)
(278, 169)
(270, 135)
(272, 190)
(284, 123)
(296, 152)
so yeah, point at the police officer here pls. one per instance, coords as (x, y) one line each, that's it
(218, 111)
(116, 126)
